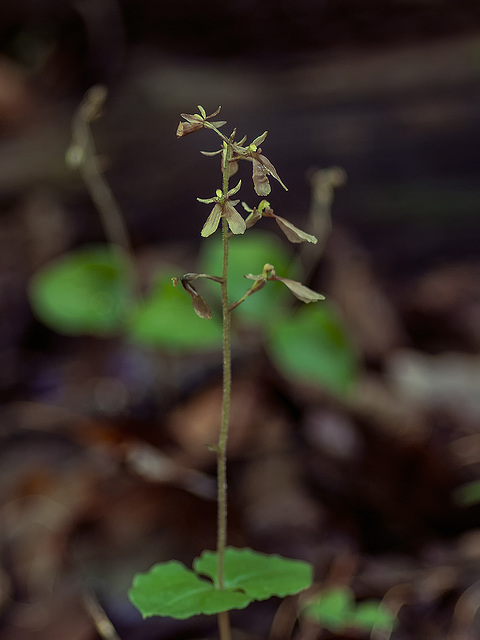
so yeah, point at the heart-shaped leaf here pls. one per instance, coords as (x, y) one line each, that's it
(312, 346)
(259, 575)
(170, 589)
(86, 292)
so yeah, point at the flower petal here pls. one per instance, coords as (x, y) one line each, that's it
(200, 307)
(192, 117)
(233, 168)
(261, 139)
(212, 222)
(253, 218)
(235, 190)
(215, 113)
(260, 178)
(211, 153)
(235, 221)
(184, 128)
(300, 291)
(217, 124)
(270, 168)
(293, 233)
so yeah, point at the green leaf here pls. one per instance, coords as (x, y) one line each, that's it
(332, 609)
(259, 575)
(170, 589)
(248, 255)
(312, 346)
(371, 614)
(335, 609)
(86, 292)
(468, 493)
(166, 319)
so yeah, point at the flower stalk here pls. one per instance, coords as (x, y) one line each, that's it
(233, 223)
(223, 618)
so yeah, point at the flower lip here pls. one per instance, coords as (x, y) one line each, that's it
(196, 121)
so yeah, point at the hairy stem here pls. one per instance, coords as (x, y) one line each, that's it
(223, 618)
(222, 441)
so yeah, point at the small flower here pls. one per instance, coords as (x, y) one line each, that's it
(293, 233)
(299, 290)
(223, 208)
(197, 121)
(200, 307)
(262, 167)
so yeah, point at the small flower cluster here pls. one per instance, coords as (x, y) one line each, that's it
(232, 152)
(224, 207)
(197, 121)
(299, 290)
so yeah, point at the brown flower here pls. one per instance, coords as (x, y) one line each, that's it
(197, 121)
(262, 167)
(223, 208)
(293, 233)
(300, 291)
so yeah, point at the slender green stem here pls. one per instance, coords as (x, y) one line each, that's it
(223, 618)
(222, 441)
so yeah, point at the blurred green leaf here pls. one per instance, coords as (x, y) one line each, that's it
(468, 493)
(372, 615)
(86, 292)
(332, 609)
(249, 254)
(335, 609)
(312, 346)
(170, 589)
(167, 319)
(259, 575)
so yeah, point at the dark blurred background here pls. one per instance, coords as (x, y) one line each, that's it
(389, 90)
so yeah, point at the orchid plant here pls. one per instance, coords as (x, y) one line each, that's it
(227, 578)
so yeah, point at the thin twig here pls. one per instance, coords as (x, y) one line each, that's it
(82, 155)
